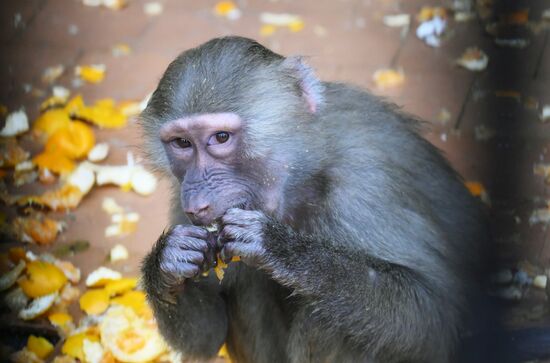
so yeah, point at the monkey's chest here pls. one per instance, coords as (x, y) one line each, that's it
(259, 313)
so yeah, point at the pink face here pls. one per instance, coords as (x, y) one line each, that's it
(205, 153)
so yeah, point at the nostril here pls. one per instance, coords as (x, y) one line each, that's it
(199, 210)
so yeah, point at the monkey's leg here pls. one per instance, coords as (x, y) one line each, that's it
(193, 320)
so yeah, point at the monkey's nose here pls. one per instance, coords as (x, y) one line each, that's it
(197, 210)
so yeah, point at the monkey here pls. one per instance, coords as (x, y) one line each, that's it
(357, 240)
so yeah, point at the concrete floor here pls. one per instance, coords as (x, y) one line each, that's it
(343, 40)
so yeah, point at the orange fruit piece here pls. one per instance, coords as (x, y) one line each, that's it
(42, 278)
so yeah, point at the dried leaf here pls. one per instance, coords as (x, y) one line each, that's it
(71, 248)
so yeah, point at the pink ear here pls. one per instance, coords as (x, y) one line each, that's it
(312, 88)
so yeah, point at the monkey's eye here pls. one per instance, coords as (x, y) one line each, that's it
(181, 143)
(219, 138)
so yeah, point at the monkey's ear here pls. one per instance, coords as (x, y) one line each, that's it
(312, 88)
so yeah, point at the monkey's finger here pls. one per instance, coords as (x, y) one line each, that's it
(194, 257)
(181, 230)
(246, 251)
(190, 243)
(179, 271)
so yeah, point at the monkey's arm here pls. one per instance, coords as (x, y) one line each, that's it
(380, 305)
(191, 316)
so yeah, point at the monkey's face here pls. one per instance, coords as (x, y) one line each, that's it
(206, 155)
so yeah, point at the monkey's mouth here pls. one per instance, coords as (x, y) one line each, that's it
(212, 227)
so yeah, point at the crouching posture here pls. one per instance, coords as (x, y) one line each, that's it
(357, 241)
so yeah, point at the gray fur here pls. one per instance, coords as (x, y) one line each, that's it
(374, 248)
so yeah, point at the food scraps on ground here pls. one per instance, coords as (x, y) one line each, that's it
(17, 123)
(387, 78)
(473, 59)
(227, 9)
(93, 73)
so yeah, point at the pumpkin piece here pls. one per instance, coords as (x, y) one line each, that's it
(38, 229)
(39, 346)
(94, 302)
(73, 346)
(74, 141)
(60, 319)
(42, 278)
(129, 337)
(104, 114)
(385, 78)
(93, 73)
(51, 121)
(54, 161)
(66, 197)
(136, 301)
(117, 287)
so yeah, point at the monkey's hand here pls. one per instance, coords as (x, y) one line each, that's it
(183, 253)
(242, 235)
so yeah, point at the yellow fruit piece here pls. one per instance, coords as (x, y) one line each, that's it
(221, 266)
(129, 337)
(52, 102)
(135, 300)
(296, 25)
(66, 197)
(39, 346)
(51, 121)
(223, 352)
(224, 7)
(117, 287)
(129, 108)
(17, 254)
(75, 104)
(91, 73)
(42, 278)
(475, 188)
(385, 78)
(73, 141)
(60, 319)
(104, 113)
(267, 30)
(55, 162)
(73, 346)
(95, 301)
(40, 230)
